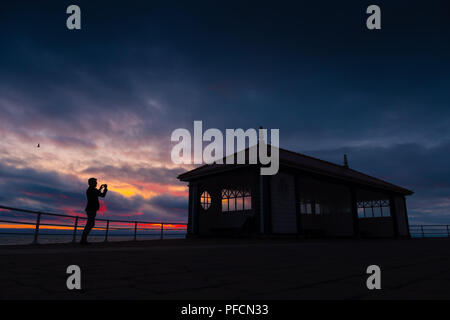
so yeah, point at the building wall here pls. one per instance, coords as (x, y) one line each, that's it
(376, 227)
(402, 218)
(332, 225)
(190, 229)
(213, 221)
(336, 221)
(282, 202)
(329, 212)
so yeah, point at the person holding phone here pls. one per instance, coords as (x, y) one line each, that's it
(93, 205)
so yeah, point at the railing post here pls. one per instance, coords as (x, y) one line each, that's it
(135, 230)
(107, 230)
(36, 230)
(423, 234)
(162, 230)
(74, 238)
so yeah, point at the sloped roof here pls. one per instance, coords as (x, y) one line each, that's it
(306, 163)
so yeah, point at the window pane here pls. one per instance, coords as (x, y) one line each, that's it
(236, 200)
(247, 203)
(205, 200)
(386, 212)
(308, 208)
(361, 212)
(317, 208)
(377, 212)
(224, 205)
(232, 206)
(239, 204)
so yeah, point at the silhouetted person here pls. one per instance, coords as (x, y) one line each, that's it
(92, 194)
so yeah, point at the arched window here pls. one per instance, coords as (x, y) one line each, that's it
(205, 200)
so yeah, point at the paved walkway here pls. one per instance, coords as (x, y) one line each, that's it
(229, 269)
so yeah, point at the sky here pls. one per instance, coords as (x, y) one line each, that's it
(103, 101)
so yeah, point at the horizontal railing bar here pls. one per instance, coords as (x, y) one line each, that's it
(420, 231)
(81, 217)
(56, 225)
(428, 225)
(96, 228)
(140, 222)
(39, 212)
(18, 222)
(431, 233)
(90, 235)
(181, 229)
(42, 224)
(18, 233)
(430, 228)
(93, 235)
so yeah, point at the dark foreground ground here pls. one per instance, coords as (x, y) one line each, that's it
(229, 269)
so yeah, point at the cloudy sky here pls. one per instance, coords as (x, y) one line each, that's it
(103, 101)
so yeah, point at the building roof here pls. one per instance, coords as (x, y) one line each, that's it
(306, 163)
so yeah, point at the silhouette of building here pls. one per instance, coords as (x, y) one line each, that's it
(307, 197)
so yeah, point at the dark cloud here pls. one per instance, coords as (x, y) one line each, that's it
(170, 203)
(136, 173)
(72, 142)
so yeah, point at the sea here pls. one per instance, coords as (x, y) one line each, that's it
(22, 237)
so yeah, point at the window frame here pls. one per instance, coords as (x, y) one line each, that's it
(373, 208)
(239, 199)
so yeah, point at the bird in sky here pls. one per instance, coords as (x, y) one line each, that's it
(39, 145)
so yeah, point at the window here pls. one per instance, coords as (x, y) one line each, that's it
(236, 200)
(360, 212)
(373, 209)
(311, 207)
(385, 211)
(317, 208)
(247, 201)
(305, 206)
(205, 200)
(320, 198)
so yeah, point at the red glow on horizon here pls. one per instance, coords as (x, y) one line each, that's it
(103, 209)
(71, 211)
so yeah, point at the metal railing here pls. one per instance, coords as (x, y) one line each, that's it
(133, 226)
(416, 231)
(429, 230)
